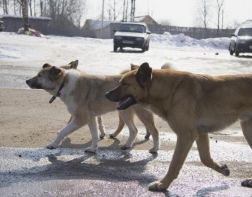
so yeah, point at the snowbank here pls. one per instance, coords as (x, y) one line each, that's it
(181, 40)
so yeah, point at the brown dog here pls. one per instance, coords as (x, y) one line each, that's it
(193, 105)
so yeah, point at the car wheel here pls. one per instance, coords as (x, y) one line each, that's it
(147, 47)
(115, 48)
(231, 52)
(236, 53)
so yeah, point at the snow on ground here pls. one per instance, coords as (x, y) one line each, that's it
(22, 56)
(181, 40)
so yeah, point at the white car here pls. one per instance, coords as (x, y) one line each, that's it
(135, 35)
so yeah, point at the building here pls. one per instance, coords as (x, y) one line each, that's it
(106, 29)
(14, 23)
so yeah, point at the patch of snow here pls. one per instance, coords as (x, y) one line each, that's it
(181, 40)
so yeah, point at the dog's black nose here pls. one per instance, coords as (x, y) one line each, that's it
(27, 82)
(108, 95)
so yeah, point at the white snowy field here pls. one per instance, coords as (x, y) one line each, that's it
(22, 56)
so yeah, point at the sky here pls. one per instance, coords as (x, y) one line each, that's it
(179, 12)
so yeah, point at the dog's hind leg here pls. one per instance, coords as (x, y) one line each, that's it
(184, 144)
(119, 128)
(205, 156)
(127, 117)
(148, 120)
(247, 132)
(94, 133)
(71, 127)
(101, 127)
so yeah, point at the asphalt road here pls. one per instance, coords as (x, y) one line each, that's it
(113, 172)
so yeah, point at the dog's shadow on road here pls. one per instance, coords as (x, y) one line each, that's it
(108, 164)
(208, 190)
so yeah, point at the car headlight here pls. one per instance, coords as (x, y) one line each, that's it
(139, 39)
(118, 37)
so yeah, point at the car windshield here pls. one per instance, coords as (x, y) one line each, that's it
(133, 28)
(245, 32)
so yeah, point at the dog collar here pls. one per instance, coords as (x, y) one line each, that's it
(57, 94)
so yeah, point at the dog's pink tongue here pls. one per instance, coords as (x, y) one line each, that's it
(123, 103)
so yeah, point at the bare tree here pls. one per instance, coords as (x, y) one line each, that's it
(24, 5)
(115, 10)
(220, 8)
(41, 7)
(204, 12)
(5, 5)
(125, 10)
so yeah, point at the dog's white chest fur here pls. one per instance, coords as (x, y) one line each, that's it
(67, 93)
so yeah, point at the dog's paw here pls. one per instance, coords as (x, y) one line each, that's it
(90, 150)
(147, 136)
(247, 183)
(111, 136)
(153, 150)
(225, 170)
(51, 147)
(125, 147)
(102, 136)
(157, 186)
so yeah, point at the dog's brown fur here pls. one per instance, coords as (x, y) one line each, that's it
(193, 105)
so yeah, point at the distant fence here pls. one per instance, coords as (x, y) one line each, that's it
(194, 32)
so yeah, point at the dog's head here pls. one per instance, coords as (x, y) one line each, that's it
(133, 87)
(48, 78)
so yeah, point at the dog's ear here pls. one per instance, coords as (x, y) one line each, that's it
(55, 73)
(74, 64)
(46, 65)
(134, 67)
(144, 75)
(167, 66)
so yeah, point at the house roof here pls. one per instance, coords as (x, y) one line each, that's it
(31, 17)
(247, 24)
(146, 19)
(96, 24)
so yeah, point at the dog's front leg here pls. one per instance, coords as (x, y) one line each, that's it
(127, 117)
(94, 133)
(183, 146)
(205, 156)
(71, 127)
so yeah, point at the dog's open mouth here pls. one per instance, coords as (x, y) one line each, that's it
(125, 102)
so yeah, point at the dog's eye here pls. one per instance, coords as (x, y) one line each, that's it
(39, 75)
(125, 84)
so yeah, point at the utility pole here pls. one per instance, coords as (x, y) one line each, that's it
(222, 27)
(126, 10)
(102, 17)
(132, 11)
(102, 12)
(123, 10)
